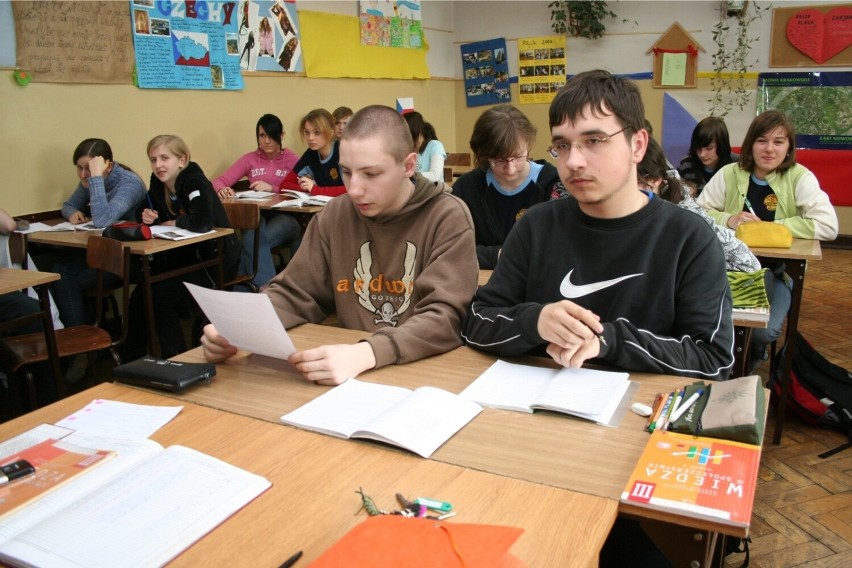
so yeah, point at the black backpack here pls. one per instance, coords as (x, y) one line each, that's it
(820, 392)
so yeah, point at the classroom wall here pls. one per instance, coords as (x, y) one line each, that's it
(42, 123)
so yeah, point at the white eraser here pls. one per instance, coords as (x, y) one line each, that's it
(641, 409)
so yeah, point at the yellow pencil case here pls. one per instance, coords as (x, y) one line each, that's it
(764, 234)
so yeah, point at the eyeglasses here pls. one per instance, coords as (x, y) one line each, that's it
(501, 162)
(586, 145)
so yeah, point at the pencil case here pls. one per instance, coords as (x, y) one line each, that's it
(729, 410)
(163, 374)
(764, 234)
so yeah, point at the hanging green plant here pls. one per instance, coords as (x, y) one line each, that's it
(579, 19)
(730, 65)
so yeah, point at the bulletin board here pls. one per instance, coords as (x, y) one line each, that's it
(74, 42)
(812, 35)
(675, 55)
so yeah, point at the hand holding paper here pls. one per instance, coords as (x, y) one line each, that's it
(248, 321)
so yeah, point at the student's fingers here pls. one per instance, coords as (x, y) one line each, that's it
(567, 324)
(97, 166)
(226, 193)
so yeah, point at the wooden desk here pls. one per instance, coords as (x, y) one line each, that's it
(302, 214)
(548, 448)
(312, 501)
(795, 260)
(13, 279)
(144, 250)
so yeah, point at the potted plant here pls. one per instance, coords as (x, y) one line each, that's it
(731, 62)
(578, 18)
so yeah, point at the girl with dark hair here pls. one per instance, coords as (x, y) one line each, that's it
(266, 167)
(768, 185)
(107, 192)
(654, 176)
(505, 182)
(709, 151)
(317, 171)
(430, 150)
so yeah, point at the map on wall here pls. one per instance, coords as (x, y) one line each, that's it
(269, 38)
(819, 104)
(186, 45)
(391, 23)
(486, 72)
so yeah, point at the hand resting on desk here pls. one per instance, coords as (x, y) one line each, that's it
(324, 365)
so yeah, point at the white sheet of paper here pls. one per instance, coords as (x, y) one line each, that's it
(121, 420)
(247, 320)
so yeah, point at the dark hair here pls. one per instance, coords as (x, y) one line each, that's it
(92, 147)
(320, 118)
(383, 121)
(605, 94)
(272, 126)
(498, 132)
(418, 128)
(341, 112)
(654, 166)
(710, 130)
(762, 125)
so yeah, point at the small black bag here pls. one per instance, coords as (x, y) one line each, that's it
(164, 374)
(128, 231)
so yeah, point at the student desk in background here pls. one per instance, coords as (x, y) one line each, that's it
(144, 250)
(313, 501)
(302, 214)
(795, 260)
(12, 280)
(547, 448)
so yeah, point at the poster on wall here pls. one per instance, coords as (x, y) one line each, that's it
(387, 23)
(819, 104)
(186, 45)
(541, 68)
(486, 72)
(268, 37)
(812, 35)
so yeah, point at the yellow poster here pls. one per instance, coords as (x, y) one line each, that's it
(541, 68)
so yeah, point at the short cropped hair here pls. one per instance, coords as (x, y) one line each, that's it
(605, 94)
(320, 118)
(762, 125)
(174, 144)
(92, 147)
(385, 122)
(272, 126)
(498, 133)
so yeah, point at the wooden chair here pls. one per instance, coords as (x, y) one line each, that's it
(244, 217)
(457, 159)
(18, 249)
(20, 351)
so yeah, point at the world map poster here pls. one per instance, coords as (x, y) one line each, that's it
(186, 45)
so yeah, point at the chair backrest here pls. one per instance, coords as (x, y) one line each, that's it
(18, 249)
(242, 215)
(459, 159)
(109, 255)
(448, 174)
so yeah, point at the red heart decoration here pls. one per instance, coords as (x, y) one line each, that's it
(821, 36)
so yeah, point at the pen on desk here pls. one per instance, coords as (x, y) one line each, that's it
(748, 204)
(292, 560)
(685, 406)
(667, 415)
(15, 470)
(665, 409)
(675, 405)
(658, 401)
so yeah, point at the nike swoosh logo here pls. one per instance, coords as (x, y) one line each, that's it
(570, 290)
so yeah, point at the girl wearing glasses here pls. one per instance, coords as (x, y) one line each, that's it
(505, 182)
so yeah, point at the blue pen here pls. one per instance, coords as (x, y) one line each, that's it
(150, 204)
(748, 204)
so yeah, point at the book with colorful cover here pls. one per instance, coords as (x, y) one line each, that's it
(56, 463)
(697, 477)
